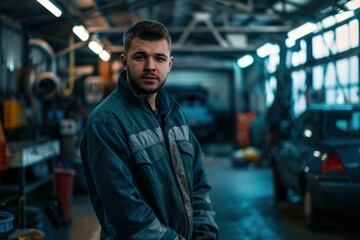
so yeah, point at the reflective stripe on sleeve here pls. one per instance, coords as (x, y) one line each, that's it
(154, 230)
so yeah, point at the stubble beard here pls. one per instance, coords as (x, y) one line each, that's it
(138, 87)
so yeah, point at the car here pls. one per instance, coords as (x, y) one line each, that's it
(318, 158)
(193, 100)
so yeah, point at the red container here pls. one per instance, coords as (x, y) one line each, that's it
(64, 181)
(243, 121)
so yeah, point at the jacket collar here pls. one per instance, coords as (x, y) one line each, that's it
(163, 100)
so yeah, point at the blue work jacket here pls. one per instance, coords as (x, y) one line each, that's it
(144, 172)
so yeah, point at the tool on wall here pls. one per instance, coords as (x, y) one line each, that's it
(68, 86)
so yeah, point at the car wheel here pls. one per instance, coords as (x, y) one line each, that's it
(311, 213)
(280, 191)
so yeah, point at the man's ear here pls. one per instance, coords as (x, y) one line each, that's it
(123, 60)
(171, 62)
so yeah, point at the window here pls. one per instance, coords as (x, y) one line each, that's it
(354, 33)
(335, 41)
(311, 127)
(299, 89)
(342, 38)
(270, 89)
(344, 124)
(339, 80)
(298, 57)
(306, 126)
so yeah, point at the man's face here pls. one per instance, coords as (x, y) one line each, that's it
(147, 65)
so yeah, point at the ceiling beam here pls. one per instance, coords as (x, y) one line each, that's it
(226, 29)
(197, 49)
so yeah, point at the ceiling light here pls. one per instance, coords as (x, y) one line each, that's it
(302, 30)
(353, 5)
(51, 7)
(281, 5)
(267, 49)
(81, 32)
(95, 46)
(245, 61)
(104, 55)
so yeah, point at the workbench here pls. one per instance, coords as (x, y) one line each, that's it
(24, 155)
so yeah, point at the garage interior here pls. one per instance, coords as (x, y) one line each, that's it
(242, 69)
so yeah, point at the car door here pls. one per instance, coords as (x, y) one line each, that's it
(300, 145)
(287, 151)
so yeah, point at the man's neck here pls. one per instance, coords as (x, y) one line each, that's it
(151, 99)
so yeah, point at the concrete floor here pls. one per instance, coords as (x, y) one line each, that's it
(243, 201)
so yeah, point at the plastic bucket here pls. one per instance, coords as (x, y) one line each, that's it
(64, 181)
(6, 221)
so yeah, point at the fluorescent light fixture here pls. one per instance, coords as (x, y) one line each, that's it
(104, 55)
(302, 30)
(51, 7)
(245, 61)
(267, 49)
(81, 32)
(95, 46)
(353, 5)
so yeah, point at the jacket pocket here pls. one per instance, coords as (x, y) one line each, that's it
(149, 155)
(152, 167)
(187, 154)
(186, 148)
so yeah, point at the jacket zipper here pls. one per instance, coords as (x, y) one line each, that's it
(176, 176)
(171, 107)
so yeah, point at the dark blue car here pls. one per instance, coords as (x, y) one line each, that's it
(193, 99)
(319, 159)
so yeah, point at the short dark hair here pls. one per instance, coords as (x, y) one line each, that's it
(148, 30)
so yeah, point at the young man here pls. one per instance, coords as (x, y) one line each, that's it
(143, 166)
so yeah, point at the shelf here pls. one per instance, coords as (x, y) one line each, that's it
(11, 188)
(26, 154)
(35, 185)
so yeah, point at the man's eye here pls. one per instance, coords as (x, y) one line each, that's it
(139, 58)
(160, 59)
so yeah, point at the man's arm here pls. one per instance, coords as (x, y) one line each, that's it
(204, 217)
(109, 163)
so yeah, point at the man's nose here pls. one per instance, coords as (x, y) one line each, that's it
(150, 64)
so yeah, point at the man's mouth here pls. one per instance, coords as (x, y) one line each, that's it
(150, 78)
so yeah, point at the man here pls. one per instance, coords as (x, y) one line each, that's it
(142, 164)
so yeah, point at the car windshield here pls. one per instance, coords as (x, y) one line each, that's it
(343, 124)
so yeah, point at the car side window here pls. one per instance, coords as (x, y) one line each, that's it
(297, 126)
(311, 127)
(307, 127)
(344, 124)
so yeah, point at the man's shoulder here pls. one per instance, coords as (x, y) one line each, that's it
(107, 109)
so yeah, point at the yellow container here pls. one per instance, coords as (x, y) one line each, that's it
(14, 115)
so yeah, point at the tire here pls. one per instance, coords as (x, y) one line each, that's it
(312, 215)
(280, 191)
